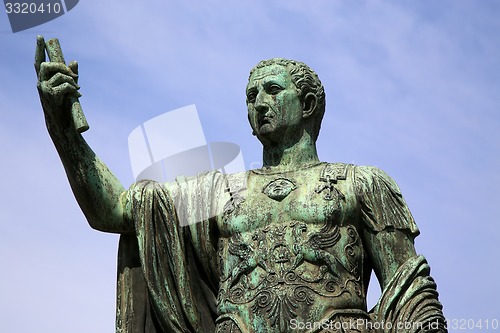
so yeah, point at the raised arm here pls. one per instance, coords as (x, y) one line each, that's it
(98, 192)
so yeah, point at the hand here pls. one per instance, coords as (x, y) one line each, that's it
(57, 85)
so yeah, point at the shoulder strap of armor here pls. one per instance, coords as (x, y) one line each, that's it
(330, 175)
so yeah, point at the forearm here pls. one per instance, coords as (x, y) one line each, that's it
(96, 189)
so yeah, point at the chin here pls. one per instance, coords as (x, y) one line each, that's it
(269, 140)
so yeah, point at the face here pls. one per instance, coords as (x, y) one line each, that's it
(274, 107)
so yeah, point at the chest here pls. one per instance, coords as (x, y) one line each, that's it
(302, 196)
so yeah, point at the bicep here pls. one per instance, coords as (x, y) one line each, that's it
(114, 214)
(388, 250)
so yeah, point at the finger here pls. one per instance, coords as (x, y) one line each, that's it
(49, 69)
(60, 78)
(39, 53)
(66, 89)
(73, 65)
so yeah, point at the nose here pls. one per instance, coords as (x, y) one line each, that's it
(260, 104)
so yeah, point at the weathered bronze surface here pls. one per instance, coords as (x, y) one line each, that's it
(286, 248)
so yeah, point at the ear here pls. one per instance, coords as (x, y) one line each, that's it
(309, 105)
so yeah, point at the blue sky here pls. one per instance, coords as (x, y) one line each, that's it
(412, 87)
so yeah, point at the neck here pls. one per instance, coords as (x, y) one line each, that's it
(290, 156)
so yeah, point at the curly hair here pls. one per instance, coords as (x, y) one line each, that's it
(306, 81)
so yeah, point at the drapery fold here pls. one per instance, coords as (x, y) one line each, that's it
(409, 303)
(171, 295)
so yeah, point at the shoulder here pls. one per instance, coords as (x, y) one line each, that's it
(144, 190)
(371, 178)
(381, 202)
(370, 172)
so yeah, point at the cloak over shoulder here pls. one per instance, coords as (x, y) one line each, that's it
(167, 273)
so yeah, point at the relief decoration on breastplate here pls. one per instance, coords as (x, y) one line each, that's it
(283, 265)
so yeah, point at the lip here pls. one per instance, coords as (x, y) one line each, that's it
(264, 121)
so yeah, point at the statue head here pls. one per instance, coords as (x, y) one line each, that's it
(307, 84)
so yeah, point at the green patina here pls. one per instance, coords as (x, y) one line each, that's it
(286, 248)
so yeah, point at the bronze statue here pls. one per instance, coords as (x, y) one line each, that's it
(285, 248)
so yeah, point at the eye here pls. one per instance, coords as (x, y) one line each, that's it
(274, 88)
(251, 95)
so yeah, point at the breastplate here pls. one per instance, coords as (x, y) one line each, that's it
(297, 256)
